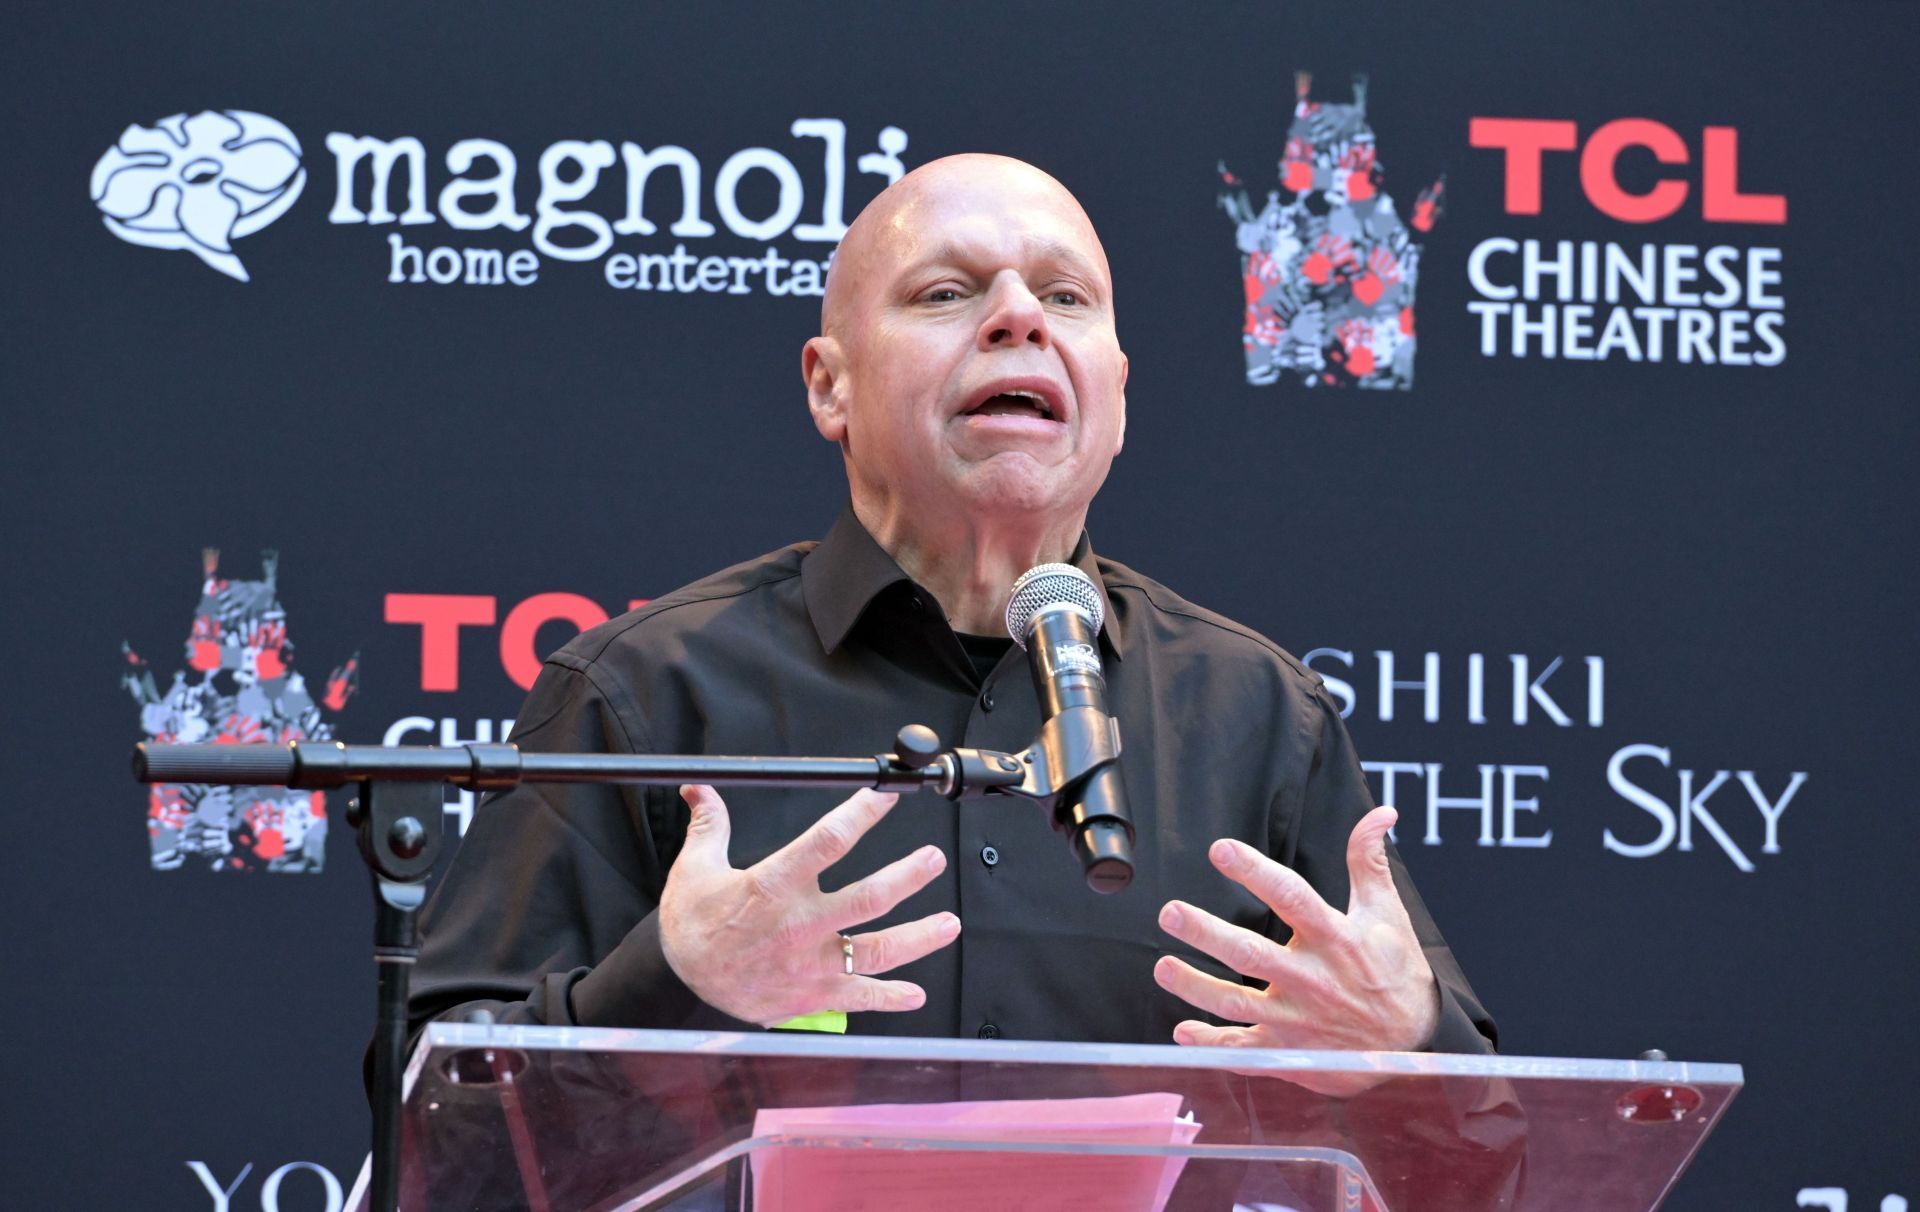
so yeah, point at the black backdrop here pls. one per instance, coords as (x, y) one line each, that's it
(1732, 542)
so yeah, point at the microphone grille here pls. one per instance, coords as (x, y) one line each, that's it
(1048, 585)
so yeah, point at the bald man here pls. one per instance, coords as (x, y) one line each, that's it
(969, 370)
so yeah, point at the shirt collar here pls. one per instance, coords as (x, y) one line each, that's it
(842, 576)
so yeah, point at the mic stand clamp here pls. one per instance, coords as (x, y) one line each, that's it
(1072, 747)
(959, 774)
(1074, 767)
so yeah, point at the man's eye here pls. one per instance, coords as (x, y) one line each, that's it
(1064, 298)
(942, 294)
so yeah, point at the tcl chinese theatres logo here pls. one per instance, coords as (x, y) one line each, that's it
(239, 688)
(198, 184)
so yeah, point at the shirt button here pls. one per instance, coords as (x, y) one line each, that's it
(986, 700)
(989, 856)
(988, 1031)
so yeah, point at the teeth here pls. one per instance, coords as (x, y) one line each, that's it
(1034, 398)
(1037, 401)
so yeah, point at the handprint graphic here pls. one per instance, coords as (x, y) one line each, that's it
(239, 688)
(1329, 267)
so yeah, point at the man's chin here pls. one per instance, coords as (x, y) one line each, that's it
(1014, 483)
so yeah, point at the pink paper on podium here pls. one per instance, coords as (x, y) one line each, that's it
(847, 1178)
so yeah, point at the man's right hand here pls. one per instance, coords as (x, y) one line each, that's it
(763, 944)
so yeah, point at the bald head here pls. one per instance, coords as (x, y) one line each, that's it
(896, 226)
(967, 364)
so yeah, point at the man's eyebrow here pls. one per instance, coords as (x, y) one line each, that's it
(1068, 255)
(951, 253)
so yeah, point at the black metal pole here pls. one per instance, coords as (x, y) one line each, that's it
(919, 762)
(397, 828)
(396, 947)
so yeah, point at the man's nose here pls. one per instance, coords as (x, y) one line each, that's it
(1014, 316)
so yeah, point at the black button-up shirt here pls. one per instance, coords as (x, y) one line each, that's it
(547, 914)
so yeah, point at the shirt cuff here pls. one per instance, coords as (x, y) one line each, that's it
(1455, 1030)
(635, 986)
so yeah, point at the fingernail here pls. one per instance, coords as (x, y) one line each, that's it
(1226, 855)
(1171, 917)
(949, 925)
(933, 859)
(1163, 970)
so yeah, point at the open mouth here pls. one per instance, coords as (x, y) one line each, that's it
(1015, 403)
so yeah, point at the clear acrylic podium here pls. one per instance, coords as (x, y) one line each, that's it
(541, 1118)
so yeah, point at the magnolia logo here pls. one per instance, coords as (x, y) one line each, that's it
(199, 183)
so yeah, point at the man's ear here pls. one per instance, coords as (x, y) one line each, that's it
(1120, 439)
(820, 366)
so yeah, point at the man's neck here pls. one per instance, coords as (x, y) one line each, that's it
(969, 564)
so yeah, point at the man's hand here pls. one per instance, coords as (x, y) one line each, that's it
(763, 944)
(1355, 981)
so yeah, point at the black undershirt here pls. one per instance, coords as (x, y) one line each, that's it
(984, 651)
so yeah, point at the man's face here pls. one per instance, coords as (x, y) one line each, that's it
(974, 362)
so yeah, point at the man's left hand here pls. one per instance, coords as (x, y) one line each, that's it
(1356, 980)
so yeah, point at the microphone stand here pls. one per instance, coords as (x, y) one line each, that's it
(397, 804)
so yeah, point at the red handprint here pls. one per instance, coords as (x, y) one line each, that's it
(1382, 271)
(1330, 253)
(1358, 163)
(1263, 327)
(1428, 207)
(1356, 339)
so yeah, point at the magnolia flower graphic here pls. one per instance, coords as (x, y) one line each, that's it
(199, 183)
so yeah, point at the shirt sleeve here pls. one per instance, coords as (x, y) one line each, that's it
(547, 914)
(1335, 797)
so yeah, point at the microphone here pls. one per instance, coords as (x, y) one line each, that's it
(1055, 613)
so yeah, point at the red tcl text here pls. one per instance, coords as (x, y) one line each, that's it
(440, 616)
(1526, 142)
